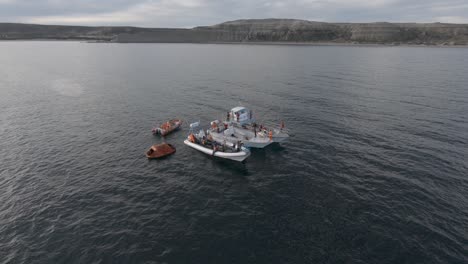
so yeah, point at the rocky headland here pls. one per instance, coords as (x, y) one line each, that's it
(254, 31)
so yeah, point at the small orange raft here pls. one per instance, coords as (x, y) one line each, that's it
(160, 150)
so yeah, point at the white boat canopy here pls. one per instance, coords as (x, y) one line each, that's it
(242, 115)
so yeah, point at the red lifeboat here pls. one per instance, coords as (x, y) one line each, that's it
(160, 150)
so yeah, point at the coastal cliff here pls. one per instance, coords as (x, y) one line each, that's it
(254, 31)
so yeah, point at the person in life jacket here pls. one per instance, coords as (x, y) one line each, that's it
(270, 135)
(282, 125)
(192, 138)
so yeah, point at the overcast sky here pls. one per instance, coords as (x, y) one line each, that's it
(190, 13)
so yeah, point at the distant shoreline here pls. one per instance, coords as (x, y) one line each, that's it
(266, 43)
(340, 44)
(256, 32)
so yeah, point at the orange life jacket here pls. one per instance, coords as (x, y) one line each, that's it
(192, 138)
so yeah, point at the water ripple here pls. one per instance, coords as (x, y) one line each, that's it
(374, 172)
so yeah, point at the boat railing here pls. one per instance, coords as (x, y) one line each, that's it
(274, 125)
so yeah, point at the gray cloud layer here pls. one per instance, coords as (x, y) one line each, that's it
(189, 13)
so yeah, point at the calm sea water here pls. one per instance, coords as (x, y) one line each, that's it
(375, 170)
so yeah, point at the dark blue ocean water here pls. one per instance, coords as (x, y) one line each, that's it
(376, 169)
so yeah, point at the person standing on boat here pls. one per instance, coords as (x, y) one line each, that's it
(214, 126)
(238, 116)
(255, 129)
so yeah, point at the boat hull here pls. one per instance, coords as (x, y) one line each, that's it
(280, 137)
(160, 151)
(175, 125)
(235, 156)
(242, 118)
(251, 142)
(256, 144)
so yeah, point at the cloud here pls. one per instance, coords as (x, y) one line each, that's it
(84, 19)
(189, 13)
(452, 19)
(449, 8)
(145, 13)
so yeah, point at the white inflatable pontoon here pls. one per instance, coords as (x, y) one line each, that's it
(227, 150)
(236, 156)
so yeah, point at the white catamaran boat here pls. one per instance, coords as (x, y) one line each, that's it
(242, 119)
(207, 145)
(224, 133)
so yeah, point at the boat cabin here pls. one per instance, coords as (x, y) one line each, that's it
(241, 115)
